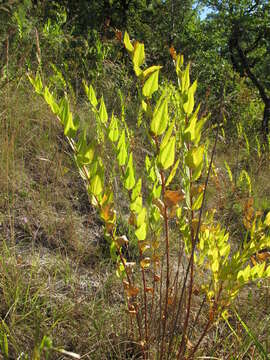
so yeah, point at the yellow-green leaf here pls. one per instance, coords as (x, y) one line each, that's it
(129, 182)
(189, 105)
(127, 43)
(172, 173)
(194, 157)
(96, 185)
(167, 154)
(160, 118)
(151, 84)
(150, 70)
(103, 112)
(141, 232)
(113, 129)
(138, 55)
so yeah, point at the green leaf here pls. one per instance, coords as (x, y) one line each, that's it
(136, 190)
(103, 112)
(167, 136)
(151, 85)
(96, 185)
(92, 96)
(190, 131)
(160, 118)
(129, 182)
(122, 150)
(136, 205)
(267, 219)
(138, 55)
(198, 202)
(141, 217)
(51, 101)
(172, 173)
(37, 83)
(127, 43)
(66, 118)
(113, 129)
(150, 71)
(189, 105)
(141, 232)
(185, 81)
(166, 156)
(194, 157)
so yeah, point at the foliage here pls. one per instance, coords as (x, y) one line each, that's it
(158, 201)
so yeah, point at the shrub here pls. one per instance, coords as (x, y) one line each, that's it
(186, 274)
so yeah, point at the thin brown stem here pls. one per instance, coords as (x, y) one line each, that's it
(166, 228)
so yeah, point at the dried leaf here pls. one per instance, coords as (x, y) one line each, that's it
(263, 256)
(121, 240)
(173, 52)
(172, 197)
(132, 291)
(145, 263)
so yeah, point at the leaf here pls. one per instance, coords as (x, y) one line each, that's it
(198, 202)
(267, 219)
(122, 150)
(150, 71)
(167, 136)
(160, 118)
(113, 129)
(136, 190)
(167, 154)
(96, 185)
(138, 55)
(66, 118)
(145, 263)
(141, 232)
(136, 205)
(172, 173)
(194, 157)
(90, 92)
(185, 81)
(103, 112)
(132, 291)
(51, 101)
(129, 182)
(173, 197)
(189, 105)
(121, 240)
(127, 43)
(190, 131)
(141, 217)
(151, 85)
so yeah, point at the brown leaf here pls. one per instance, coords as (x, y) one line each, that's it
(173, 52)
(121, 240)
(172, 197)
(263, 256)
(145, 263)
(132, 291)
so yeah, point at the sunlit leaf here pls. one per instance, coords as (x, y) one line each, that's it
(151, 85)
(166, 156)
(127, 43)
(113, 129)
(173, 197)
(141, 232)
(160, 118)
(103, 112)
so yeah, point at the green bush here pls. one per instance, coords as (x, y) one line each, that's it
(187, 274)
